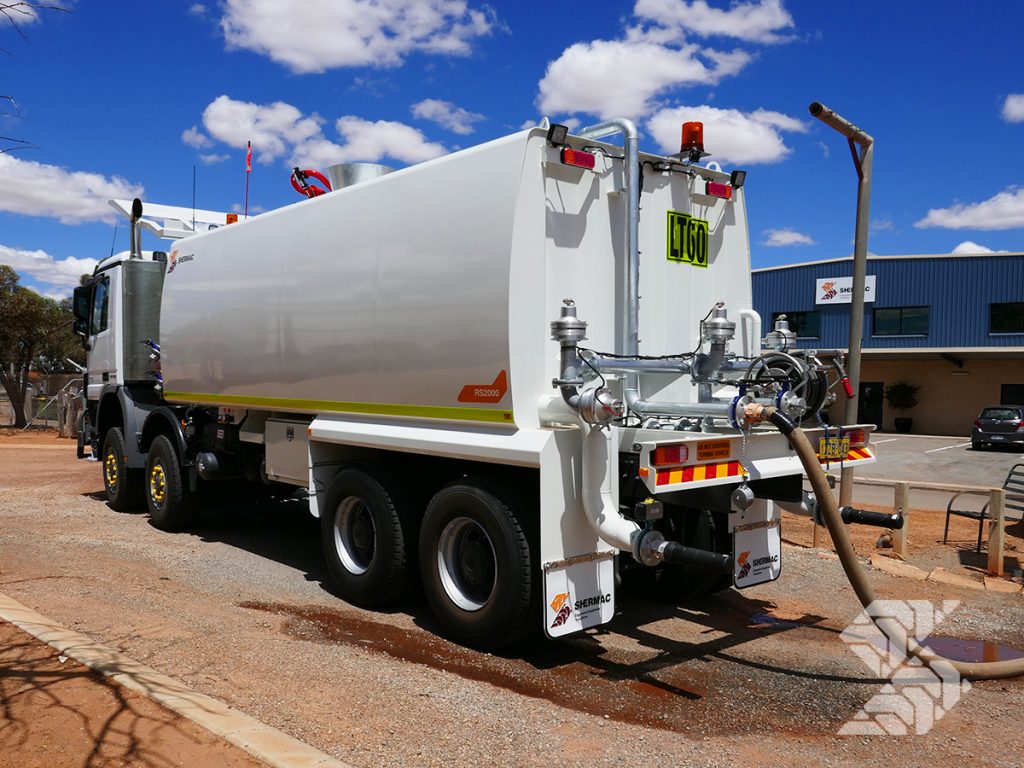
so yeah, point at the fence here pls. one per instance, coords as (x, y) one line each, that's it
(51, 400)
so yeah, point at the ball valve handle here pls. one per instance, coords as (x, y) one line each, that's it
(300, 183)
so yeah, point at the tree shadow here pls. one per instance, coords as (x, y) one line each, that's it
(44, 701)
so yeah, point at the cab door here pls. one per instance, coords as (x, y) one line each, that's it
(101, 333)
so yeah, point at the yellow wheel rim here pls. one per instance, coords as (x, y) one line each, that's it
(110, 470)
(158, 483)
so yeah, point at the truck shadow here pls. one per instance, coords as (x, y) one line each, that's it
(663, 666)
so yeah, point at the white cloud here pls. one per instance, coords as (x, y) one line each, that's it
(622, 77)
(196, 138)
(731, 136)
(447, 115)
(1013, 108)
(198, 10)
(777, 238)
(1002, 211)
(884, 224)
(755, 22)
(967, 246)
(282, 130)
(43, 268)
(212, 158)
(71, 197)
(317, 35)
(272, 128)
(366, 140)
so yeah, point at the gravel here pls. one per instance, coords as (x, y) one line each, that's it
(240, 609)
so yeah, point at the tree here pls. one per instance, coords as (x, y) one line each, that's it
(13, 13)
(35, 334)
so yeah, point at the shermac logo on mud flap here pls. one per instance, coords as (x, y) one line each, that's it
(563, 606)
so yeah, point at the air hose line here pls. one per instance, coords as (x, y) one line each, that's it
(891, 628)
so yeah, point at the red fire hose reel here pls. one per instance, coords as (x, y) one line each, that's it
(301, 184)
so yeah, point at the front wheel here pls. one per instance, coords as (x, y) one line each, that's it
(171, 504)
(476, 565)
(123, 486)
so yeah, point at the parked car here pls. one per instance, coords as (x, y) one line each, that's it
(998, 424)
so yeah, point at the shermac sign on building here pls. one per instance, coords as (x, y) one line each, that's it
(839, 290)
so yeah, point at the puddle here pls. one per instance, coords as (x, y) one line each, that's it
(768, 621)
(957, 649)
(575, 674)
(972, 650)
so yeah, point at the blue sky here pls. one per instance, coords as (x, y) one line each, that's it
(123, 98)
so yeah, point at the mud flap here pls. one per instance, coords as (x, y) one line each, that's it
(757, 545)
(579, 593)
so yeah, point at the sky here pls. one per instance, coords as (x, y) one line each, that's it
(121, 98)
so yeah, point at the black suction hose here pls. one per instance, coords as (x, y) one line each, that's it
(989, 670)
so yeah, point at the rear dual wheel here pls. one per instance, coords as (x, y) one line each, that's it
(365, 531)
(476, 566)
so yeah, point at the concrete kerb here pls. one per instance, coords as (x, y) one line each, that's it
(274, 747)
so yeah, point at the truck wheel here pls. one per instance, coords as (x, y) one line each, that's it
(122, 485)
(681, 583)
(171, 504)
(476, 565)
(363, 537)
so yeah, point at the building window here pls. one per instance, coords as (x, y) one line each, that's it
(1006, 318)
(806, 325)
(901, 321)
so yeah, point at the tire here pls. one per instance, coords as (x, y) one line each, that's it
(677, 584)
(123, 486)
(364, 538)
(476, 566)
(171, 504)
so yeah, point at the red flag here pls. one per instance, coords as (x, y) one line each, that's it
(248, 158)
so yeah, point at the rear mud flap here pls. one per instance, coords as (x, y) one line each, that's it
(757, 544)
(579, 593)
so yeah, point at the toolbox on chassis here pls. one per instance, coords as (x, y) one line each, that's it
(403, 349)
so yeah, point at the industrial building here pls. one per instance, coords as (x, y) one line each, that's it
(950, 324)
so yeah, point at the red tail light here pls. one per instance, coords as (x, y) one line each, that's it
(858, 437)
(717, 189)
(977, 423)
(578, 158)
(667, 455)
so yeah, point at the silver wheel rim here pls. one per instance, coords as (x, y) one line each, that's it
(355, 535)
(466, 563)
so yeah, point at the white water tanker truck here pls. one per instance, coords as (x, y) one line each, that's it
(511, 374)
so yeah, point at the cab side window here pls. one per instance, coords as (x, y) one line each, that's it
(99, 306)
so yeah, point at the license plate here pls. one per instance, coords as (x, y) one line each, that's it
(998, 437)
(833, 447)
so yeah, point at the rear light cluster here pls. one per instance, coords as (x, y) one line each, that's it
(669, 455)
(717, 189)
(578, 158)
(858, 437)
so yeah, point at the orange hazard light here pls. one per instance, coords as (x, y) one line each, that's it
(693, 136)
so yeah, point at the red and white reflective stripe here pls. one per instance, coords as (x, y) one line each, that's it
(855, 454)
(699, 473)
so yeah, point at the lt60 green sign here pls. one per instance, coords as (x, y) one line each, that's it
(687, 239)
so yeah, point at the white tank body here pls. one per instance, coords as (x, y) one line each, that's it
(427, 293)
